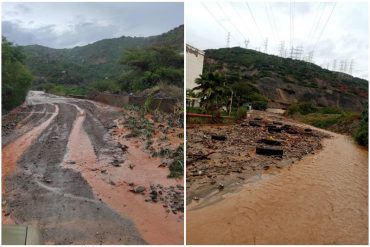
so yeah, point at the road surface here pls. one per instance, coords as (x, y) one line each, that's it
(60, 174)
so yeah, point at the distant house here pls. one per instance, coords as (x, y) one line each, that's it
(194, 68)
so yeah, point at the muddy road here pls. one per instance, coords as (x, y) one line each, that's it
(322, 199)
(64, 172)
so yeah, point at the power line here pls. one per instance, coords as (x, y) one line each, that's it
(273, 21)
(236, 28)
(254, 20)
(270, 22)
(326, 23)
(219, 23)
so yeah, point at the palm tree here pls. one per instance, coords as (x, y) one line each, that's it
(213, 92)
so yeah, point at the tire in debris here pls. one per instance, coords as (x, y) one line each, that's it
(218, 137)
(271, 142)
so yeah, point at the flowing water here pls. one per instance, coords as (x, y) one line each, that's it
(323, 199)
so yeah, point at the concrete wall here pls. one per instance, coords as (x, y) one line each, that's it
(194, 65)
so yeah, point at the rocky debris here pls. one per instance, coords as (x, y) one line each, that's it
(171, 197)
(218, 137)
(239, 157)
(122, 147)
(255, 124)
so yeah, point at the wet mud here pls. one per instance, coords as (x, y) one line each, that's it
(62, 178)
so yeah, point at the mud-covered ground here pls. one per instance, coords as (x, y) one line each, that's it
(215, 167)
(67, 171)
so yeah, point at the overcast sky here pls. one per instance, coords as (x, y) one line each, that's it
(334, 31)
(65, 25)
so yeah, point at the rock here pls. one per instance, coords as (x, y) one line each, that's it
(221, 187)
(196, 198)
(103, 171)
(218, 137)
(131, 166)
(131, 184)
(71, 162)
(139, 189)
(308, 130)
(269, 151)
(112, 183)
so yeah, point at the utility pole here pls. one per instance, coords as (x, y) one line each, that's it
(228, 40)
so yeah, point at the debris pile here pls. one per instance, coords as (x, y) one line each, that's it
(221, 155)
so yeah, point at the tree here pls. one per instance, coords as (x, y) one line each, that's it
(16, 78)
(213, 92)
(147, 67)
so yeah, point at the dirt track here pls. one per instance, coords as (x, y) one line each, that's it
(60, 166)
(322, 199)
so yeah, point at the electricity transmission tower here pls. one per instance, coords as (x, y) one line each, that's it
(246, 43)
(265, 45)
(345, 65)
(334, 67)
(282, 48)
(228, 40)
(350, 67)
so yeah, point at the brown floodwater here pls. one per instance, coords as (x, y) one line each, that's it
(322, 199)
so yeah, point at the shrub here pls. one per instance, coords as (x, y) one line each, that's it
(259, 105)
(241, 113)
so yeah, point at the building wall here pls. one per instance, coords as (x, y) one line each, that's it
(194, 65)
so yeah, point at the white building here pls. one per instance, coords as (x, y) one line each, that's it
(194, 65)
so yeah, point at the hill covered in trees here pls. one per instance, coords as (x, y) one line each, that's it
(104, 64)
(284, 81)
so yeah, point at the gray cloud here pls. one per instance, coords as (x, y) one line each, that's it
(82, 23)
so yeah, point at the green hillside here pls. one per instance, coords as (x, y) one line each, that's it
(85, 65)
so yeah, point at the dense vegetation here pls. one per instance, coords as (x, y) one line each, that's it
(16, 78)
(101, 66)
(333, 119)
(147, 67)
(362, 133)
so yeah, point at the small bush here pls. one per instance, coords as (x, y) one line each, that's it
(241, 113)
(259, 105)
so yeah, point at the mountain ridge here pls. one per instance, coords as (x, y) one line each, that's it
(284, 81)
